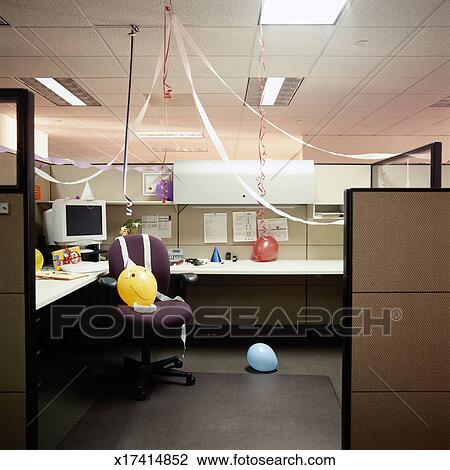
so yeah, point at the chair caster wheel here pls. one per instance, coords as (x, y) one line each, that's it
(190, 380)
(178, 364)
(140, 394)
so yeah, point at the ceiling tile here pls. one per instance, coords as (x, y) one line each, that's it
(43, 13)
(385, 85)
(148, 41)
(106, 85)
(316, 99)
(12, 44)
(218, 99)
(382, 41)
(85, 67)
(29, 67)
(429, 42)
(407, 126)
(76, 42)
(431, 86)
(309, 111)
(120, 99)
(328, 85)
(339, 125)
(442, 72)
(441, 17)
(224, 41)
(441, 128)
(387, 12)
(371, 125)
(344, 67)
(416, 101)
(366, 99)
(295, 40)
(405, 67)
(284, 66)
(218, 12)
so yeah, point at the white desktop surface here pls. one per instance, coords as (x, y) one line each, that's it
(48, 291)
(288, 266)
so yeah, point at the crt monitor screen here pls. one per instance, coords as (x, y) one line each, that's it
(83, 220)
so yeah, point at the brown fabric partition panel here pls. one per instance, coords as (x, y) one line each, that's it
(397, 272)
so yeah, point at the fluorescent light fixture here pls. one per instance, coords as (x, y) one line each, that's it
(271, 89)
(61, 91)
(301, 11)
(170, 135)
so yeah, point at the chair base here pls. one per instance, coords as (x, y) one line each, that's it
(163, 368)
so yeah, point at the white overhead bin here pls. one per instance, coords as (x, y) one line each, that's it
(213, 182)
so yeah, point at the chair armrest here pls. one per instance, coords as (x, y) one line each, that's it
(188, 278)
(107, 281)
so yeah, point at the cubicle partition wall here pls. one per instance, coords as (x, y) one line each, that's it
(18, 405)
(396, 374)
(418, 168)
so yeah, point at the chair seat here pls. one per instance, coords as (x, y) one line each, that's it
(169, 314)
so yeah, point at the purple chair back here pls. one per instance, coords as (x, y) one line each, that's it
(135, 245)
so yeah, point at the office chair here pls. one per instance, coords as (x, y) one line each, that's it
(170, 314)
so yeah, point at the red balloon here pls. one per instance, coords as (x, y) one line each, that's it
(265, 248)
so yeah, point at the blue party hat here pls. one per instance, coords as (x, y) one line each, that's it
(215, 258)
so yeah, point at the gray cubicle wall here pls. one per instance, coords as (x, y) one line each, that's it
(397, 256)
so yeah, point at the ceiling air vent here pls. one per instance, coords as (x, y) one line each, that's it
(3, 22)
(68, 84)
(444, 103)
(284, 94)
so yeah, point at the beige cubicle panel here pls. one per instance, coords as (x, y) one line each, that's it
(397, 392)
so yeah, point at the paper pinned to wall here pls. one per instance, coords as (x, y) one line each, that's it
(159, 226)
(277, 228)
(215, 227)
(244, 226)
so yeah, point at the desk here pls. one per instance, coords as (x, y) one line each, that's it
(279, 267)
(49, 291)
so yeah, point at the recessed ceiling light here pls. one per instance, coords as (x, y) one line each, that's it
(170, 135)
(61, 91)
(64, 93)
(278, 91)
(298, 12)
(272, 88)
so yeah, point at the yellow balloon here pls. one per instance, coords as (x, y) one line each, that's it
(39, 260)
(137, 284)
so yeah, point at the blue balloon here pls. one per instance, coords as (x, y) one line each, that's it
(262, 358)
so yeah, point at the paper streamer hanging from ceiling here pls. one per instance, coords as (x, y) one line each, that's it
(219, 145)
(190, 41)
(137, 123)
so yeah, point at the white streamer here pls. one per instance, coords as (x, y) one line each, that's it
(218, 143)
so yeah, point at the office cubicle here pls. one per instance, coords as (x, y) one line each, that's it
(397, 266)
(418, 168)
(18, 404)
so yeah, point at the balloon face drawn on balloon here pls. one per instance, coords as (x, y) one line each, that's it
(137, 285)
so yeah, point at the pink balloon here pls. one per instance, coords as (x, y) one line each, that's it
(265, 248)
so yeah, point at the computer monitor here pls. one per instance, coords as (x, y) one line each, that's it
(78, 222)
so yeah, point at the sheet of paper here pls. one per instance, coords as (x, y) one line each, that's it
(244, 226)
(159, 226)
(215, 228)
(277, 228)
